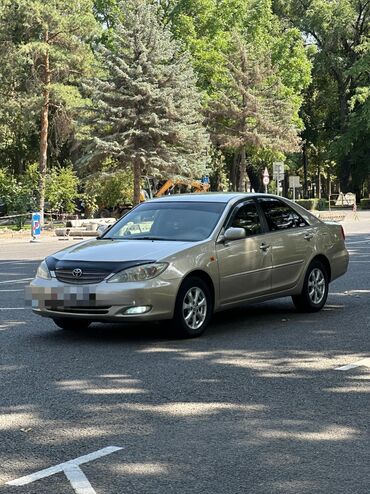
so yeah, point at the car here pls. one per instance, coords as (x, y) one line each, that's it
(183, 257)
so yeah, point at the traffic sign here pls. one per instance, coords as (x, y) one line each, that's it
(266, 173)
(294, 181)
(278, 170)
(266, 180)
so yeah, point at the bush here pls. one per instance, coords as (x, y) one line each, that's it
(313, 204)
(61, 189)
(365, 203)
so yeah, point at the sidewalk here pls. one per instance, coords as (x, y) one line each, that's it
(356, 222)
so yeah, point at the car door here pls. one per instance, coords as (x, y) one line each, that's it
(291, 241)
(245, 264)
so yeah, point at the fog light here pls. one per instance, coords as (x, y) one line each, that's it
(139, 309)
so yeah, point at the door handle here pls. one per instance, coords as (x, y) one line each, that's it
(264, 246)
(308, 236)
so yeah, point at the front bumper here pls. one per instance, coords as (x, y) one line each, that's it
(103, 301)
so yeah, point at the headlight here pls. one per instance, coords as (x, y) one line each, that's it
(139, 273)
(43, 271)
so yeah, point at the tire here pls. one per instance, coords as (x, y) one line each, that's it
(199, 314)
(70, 324)
(315, 289)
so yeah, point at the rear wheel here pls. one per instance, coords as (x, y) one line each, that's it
(315, 289)
(70, 324)
(194, 308)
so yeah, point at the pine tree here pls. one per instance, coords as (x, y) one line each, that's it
(147, 110)
(252, 110)
(46, 43)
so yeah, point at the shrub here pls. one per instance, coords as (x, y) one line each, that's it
(312, 204)
(365, 203)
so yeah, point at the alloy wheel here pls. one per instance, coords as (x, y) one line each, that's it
(194, 308)
(316, 286)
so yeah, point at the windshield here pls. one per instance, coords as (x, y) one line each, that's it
(184, 221)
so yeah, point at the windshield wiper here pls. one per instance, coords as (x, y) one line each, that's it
(145, 238)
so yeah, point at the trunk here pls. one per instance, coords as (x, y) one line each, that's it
(254, 178)
(234, 171)
(242, 170)
(319, 181)
(305, 168)
(137, 182)
(44, 131)
(345, 175)
(345, 164)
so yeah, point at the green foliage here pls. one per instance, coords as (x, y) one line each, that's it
(147, 111)
(62, 189)
(335, 113)
(111, 189)
(30, 30)
(313, 204)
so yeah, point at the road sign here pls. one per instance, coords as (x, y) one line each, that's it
(278, 170)
(266, 180)
(294, 181)
(278, 174)
(266, 173)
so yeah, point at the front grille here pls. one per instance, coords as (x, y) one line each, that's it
(88, 276)
(102, 309)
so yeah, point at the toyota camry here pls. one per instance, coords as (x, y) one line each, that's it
(183, 257)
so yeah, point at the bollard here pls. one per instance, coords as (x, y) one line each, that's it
(36, 227)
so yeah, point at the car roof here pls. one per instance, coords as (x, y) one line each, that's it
(223, 197)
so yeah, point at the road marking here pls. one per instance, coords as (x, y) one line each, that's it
(13, 290)
(14, 308)
(360, 363)
(21, 280)
(72, 471)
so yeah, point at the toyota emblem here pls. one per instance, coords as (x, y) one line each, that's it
(77, 273)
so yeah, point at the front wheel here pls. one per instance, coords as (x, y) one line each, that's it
(194, 308)
(315, 289)
(70, 324)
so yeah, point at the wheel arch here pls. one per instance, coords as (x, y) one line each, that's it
(325, 261)
(204, 276)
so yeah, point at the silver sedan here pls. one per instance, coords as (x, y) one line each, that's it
(183, 257)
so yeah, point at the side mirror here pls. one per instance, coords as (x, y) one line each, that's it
(101, 229)
(234, 234)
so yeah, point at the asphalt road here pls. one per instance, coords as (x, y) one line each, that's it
(255, 406)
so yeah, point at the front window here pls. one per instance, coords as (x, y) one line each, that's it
(247, 217)
(183, 221)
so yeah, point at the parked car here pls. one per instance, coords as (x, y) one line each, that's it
(184, 257)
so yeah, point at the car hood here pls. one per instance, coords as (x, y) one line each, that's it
(121, 250)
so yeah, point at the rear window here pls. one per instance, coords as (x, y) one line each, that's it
(280, 216)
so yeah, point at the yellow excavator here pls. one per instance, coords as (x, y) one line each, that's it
(171, 184)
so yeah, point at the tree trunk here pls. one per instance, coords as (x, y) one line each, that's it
(234, 171)
(44, 133)
(242, 170)
(305, 169)
(137, 182)
(345, 162)
(254, 178)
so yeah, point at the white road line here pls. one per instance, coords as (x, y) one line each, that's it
(70, 469)
(21, 280)
(14, 308)
(78, 480)
(360, 363)
(13, 290)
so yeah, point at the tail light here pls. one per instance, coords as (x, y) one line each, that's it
(342, 233)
